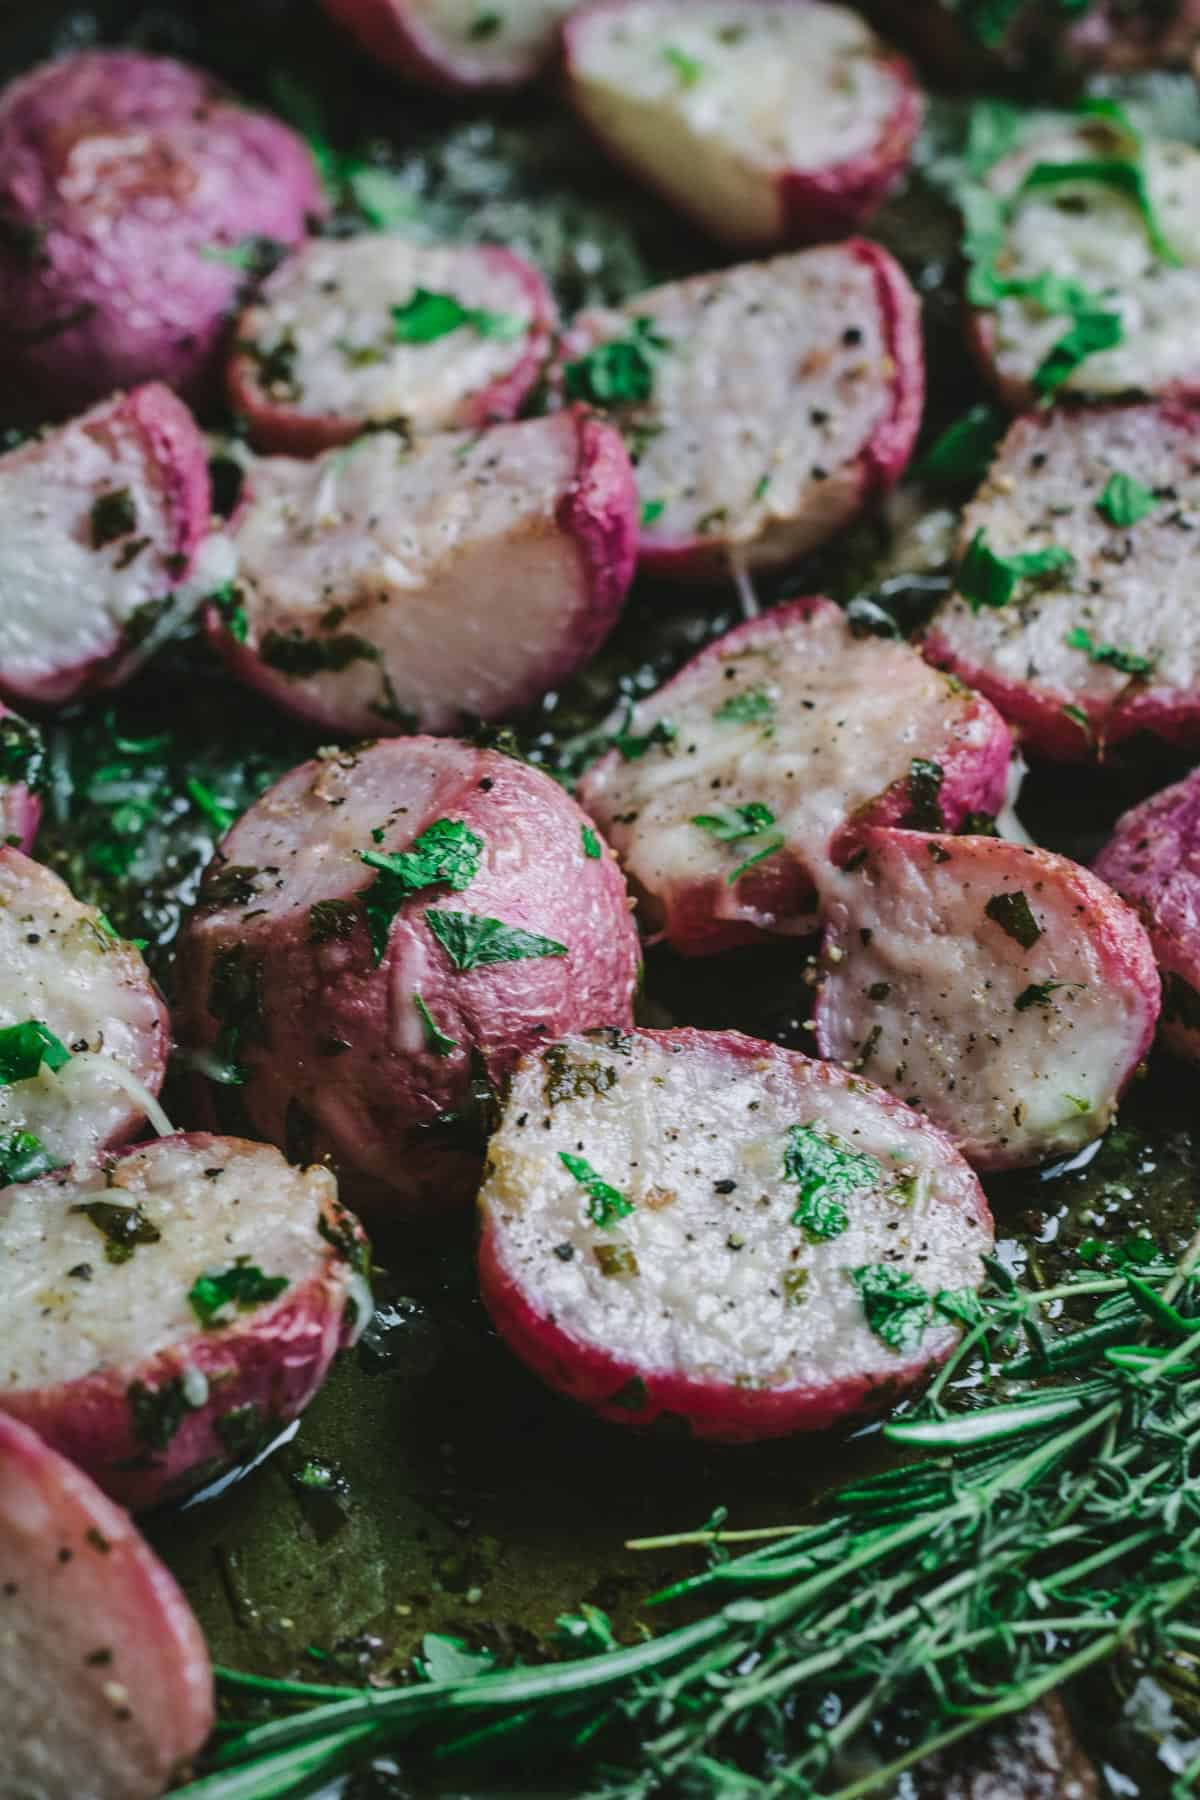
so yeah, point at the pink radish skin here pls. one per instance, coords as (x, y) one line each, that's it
(740, 190)
(479, 276)
(515, 549)
(70, 605)
(1015, 1031)
(105, 1679)
(341, 1036)
(1153, 862)
(847, 718)
(20, 805)
(829, 364)
(134, 172)
(231, 1386)
(632, 1356)
(402, 36)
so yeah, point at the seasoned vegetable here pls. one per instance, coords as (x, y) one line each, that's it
(385, 589)
(768, 124)
(694, 1224)
(729, 790)
(374, 331)
(763, 405)
(966, 39)
(383, 932)
(105, 1681)
(122, 179)
(1001, 990)
(169, 1311)
(456, 44)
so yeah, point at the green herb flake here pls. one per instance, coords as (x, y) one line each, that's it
(606, 1204)
(652, 512)
(157, 1413)
(632, 746)
(1124, 175)
(1125, 500)
(964, 451)
(925, 781)
(123, 1228)
(1038, 993)
(620, 372)
(300, 658)
(897, 1307)
(331, 920)
(741, 822)
(113, 516)
(23, 1157)
(771, 848)
(1129, 662)
(446, 854)
(26, 1048)
(426, 316)
(748, 708)
(436, 1041)
(241, 1430)
(22, 751)
(472, 941)
(244, 1286)
(591, 844)
(988, 579)
(826, 1168)
(228, 601)
(688, 68)
(1013, 914)
(1089, 333)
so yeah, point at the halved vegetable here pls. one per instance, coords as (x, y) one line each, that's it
(83, 1029)
(456, 45)
(382, 933)
(1077, 573)
(729, 791)
(106, 1688)
(695, 1224)
(384, 589)
(764, 406)
(968, 43)
(768, 121)
(1153, 861)
(1087, 281)
(100, 521)
(1001, 990)
(373, 330)
(22, 758)
(170, 1310)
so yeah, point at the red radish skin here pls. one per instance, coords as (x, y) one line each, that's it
(105, 1681)
(79, 587)
(1130, 589)
(843, 721)
(1002, 990)
(20, 804)
(338, 1039)
(65, 967)
(659, 113)
(437, 43)
(154, 1403)
(658, 1355)
(1153, 862)
(504, 559)
(134, 172)
(461, 381)
(750, 459)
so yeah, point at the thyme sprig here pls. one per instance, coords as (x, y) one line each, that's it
(1043, 1529)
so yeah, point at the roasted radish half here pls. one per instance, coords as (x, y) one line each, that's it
(22, 760)
(1087, 279)
(767, 121)
(728, 791)
(696, 1224)
(1153, 861)
(970, 44)
(386, 589)
(749, 459)
(170, 1310)
(1003, 991)
(362, 331)
(99, 522)
(83, 1029)
(1075, 607)
(106, 1688)
(383, 932)
(456, 45)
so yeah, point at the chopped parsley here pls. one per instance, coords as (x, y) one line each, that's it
(299, 657)
(987, 579)
(113, 516)
(23, 1157)
(484, 25)
(426, 316)
(652, 512)
(157, 1413)
(632, 746)
(228, 601)
(1125, 500)
(1014, 915)
(591, 844)
(244, 1286)
(446, 854)
(606, 1204)
(22, 751)
(898, 1309)
(436, 1041)
(331, 919)
(964, 451)
(746, 708)
(688, 68)
(741, 822)
(1127, 661)
(925, 796)
(769, 849)
(620, 372)
(1124, 175)
(25, 1048)
(825, 1168)
(1090, 332)
(235, 1000)
(474, 942)
(123, 1228)
(1037, 994)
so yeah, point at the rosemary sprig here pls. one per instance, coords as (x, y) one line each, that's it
(1046, 1530)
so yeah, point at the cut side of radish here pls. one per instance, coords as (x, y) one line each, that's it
(456, 45)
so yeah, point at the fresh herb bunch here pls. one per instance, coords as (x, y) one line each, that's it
(1052, 1520)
